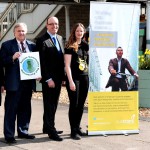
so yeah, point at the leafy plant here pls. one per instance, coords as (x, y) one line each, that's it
(144, 60)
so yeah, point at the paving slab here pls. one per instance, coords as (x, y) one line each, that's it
(139, 141)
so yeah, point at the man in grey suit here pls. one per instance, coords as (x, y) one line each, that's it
(51, 49)
(18, 92)
(116, 66)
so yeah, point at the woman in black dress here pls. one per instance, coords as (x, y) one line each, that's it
(77, 83)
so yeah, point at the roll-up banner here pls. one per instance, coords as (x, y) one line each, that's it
(113, 25)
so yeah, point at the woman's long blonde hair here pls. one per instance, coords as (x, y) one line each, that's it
(72, 42)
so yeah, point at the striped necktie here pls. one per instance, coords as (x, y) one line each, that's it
(23, 47)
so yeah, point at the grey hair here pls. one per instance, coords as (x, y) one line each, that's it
(20, 25)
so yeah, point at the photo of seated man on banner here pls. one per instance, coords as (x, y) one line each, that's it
(119, 80)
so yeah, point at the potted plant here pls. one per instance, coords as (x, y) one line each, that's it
(144, 60)
(144, 79)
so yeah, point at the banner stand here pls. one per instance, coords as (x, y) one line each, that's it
(112, 25)
(105, 133)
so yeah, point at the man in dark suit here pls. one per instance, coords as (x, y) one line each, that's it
(50, 46)
(18, 93)
(1, 81)
(116, 66)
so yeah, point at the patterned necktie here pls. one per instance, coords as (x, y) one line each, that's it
(23, 47)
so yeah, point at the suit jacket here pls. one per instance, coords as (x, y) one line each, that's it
(113, 64)
(12, 70)
(52, 62)
(1, 78)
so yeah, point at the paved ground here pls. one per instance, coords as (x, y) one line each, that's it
(139, 141)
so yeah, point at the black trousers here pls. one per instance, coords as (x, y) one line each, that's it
(77, 99)
(119, 83)
(18, 105)
(0, 98)
(50, 101)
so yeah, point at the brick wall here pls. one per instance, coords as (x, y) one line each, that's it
(78, 13)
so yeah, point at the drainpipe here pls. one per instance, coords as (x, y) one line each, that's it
(67, 21)
(148, 26)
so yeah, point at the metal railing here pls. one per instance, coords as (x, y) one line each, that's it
(11, 14)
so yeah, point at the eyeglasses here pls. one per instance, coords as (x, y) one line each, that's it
(53, 24)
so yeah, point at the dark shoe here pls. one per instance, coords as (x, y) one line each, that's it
(59, 132)
(55, 137)
(81, 133)
(11, 141)
(26, 136)
(46, 132)
(75, 136)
